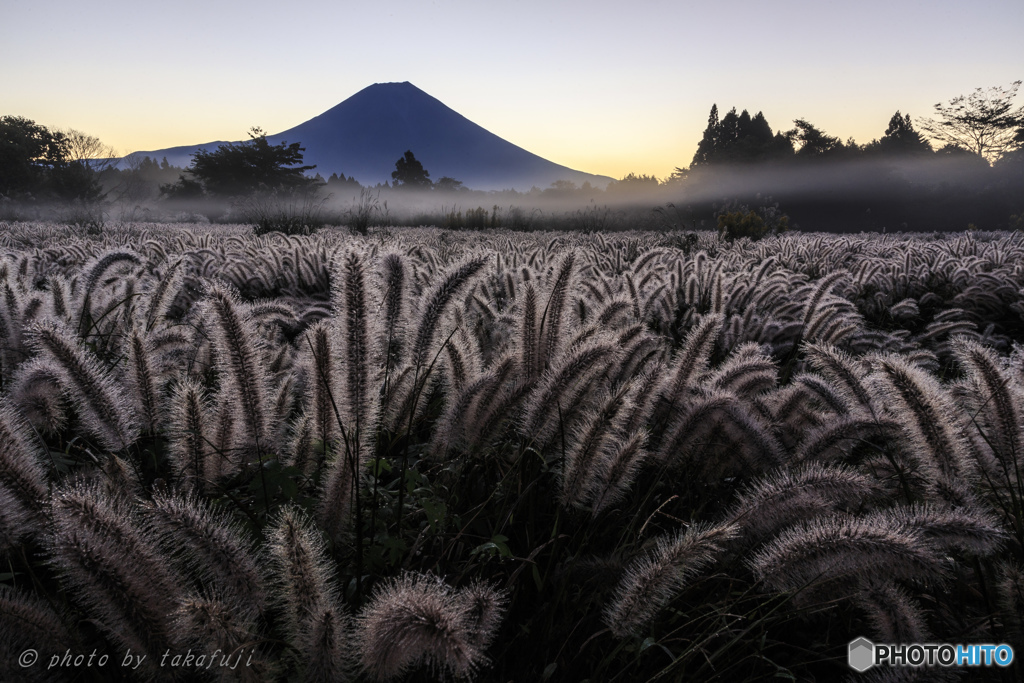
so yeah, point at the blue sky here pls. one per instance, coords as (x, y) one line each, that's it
(604, 87)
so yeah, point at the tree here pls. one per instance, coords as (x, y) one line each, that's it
(739, 138)
(409, 172)
(901, 139)
(446, 184)
(813, 142)
(634, 183)
(88, 149)
(983, 122)
(38, 163)
(237, 170)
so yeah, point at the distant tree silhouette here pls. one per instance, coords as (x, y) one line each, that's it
(634, 183)
(983, 122)
(813, 142)
(900, 139)
(38, 163)
(339, 181)
(409, 172)
(446, 184)
(739, 138)
(710, 141)
(236, 170)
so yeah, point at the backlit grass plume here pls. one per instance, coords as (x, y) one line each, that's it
(302, 573)
(207, 546)
(244, 382)
(98, 399)
(113, 569)
(932, 429)
(28, 622)
(789, 496)
(23, 486)
(844, 547)
(418, 620)
(653, 580)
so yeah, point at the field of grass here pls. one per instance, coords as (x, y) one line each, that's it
(419, 454)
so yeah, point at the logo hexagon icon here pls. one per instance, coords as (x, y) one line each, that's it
(861, 654)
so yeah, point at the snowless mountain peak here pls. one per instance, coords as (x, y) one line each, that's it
(364, 135)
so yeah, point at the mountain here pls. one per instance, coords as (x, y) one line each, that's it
(366, 134)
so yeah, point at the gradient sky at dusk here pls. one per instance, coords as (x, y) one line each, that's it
(603, 87)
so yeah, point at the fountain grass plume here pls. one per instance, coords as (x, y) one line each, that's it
(549, 328)
(418, 620)
(584, 453)
(788, 496)
(161, 297)
(22, 476)
(143, 378)
(323, 384)
(841, 547)
(300, 445)
(245, 382)
(207, 545)
(225, 632)
(326, 650)
(222, 454)
(653, 580)
(433, 306)
(301, 570)
(616, 470)
(393, 331)
(467, 405)
(694, 357)
(970, 530)
(838, 436)
(110, 566)
(356, 328)
(894, 615)
(827, 394)
(528, 340)
(722, 413)
(29, 622)
(92, 282)
(746, 372)
(98, 399)
(997, 407)
(551, 395)
(60, 297)
(337, 495)
(846, 375)
(930, 422)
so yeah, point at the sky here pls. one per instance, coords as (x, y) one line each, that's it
(603, 87)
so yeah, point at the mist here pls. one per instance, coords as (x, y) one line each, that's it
(875, 194)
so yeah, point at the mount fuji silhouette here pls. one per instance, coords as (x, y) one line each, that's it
(366, 134)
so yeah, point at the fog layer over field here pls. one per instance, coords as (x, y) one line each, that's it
(931, 193)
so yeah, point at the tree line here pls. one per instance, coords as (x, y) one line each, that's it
(982, 131)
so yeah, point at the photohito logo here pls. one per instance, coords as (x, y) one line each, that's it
(862, 654)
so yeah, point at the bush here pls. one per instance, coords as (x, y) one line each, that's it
(736, 221)
(290, 213)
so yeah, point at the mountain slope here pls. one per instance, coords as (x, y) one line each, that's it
(363, 137)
